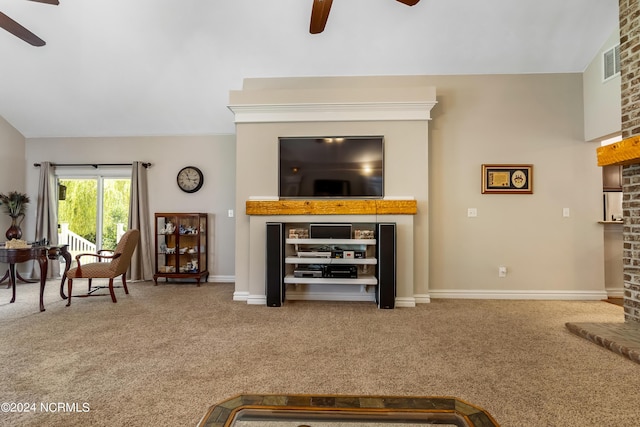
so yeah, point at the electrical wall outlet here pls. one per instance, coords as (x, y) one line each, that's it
(230, 213)
(472, 212)
(502, 271)
(566, 212)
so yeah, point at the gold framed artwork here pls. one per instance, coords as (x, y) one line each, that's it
(507, 179)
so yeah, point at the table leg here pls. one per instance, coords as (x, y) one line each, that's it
(6, 275)
(61, 251)
(12, 280)
(67, 264)
(22, 279)
(42, 260)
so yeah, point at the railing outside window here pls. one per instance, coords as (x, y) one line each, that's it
(78, 244)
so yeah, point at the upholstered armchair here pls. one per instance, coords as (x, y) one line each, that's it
(106, 267)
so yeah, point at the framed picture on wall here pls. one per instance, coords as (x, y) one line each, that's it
(507, 179)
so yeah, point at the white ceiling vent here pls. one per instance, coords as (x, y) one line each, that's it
(611, 62)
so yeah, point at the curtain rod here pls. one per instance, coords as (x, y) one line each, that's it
(93, 165)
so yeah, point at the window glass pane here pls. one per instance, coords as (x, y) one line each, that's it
(77, 215)
(115, 210)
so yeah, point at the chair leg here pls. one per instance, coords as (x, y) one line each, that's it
(124, 283)
(89, 286)
(113, 294)
(69, 286)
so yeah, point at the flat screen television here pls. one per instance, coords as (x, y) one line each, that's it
(331, 167)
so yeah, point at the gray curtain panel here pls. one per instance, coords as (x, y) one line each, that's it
(141, 265)
(47, 216)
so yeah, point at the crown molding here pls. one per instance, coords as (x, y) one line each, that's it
(333, 112)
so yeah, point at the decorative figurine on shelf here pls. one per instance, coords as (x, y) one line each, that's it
(187, 229)
(169, 228)
(163, 248)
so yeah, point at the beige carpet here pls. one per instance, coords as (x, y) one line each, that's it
(162, 355)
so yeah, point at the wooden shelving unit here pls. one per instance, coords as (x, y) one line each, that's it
(181, 246)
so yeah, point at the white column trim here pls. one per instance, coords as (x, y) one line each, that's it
(422, 298)
(241, 296)
(405, 302)
(256, 300)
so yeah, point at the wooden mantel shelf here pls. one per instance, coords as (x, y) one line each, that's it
(625, 152)
(331, 207)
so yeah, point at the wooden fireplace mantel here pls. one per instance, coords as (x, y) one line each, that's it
(625, 152)
(331, 207)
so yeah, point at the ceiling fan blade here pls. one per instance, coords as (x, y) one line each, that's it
(19, 31)
(54, 2)
(319, 15)
(409, 2)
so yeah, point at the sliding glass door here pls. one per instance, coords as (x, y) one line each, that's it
(92, 210)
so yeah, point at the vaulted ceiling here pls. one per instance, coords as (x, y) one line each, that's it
(165, 67)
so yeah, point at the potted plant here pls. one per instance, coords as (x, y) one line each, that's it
(14, 204)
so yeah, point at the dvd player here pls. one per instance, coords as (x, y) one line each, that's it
(341, 271)
(314, 254)
(312, 270)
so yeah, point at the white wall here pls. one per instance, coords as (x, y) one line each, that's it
(405, 175)
(506, 119)
(12, 171)
(535, 119)
(214, 155)
(12, 167)
(601, 98)
(12, 164)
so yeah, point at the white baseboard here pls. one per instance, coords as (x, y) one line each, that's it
(257, 300)
(615, 292)
(518, 295)
(250, 299)
(221, 279)
(422, 298)
(240, 296)
(405, 302)
(409, 302)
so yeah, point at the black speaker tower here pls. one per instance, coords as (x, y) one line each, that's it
(275, 264)
(386, 267)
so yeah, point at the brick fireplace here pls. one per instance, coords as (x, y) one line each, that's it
(627, 153)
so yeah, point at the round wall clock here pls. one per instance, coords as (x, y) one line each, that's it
(190, 179)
